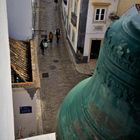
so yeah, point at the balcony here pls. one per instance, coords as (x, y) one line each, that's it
(73, 19)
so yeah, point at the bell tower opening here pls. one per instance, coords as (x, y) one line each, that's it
(95, 48)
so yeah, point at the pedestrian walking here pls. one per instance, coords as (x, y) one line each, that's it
(44, 45)
(50, 37)
(57, 33)
(42, 48)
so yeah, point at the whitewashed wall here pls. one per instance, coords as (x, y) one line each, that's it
(6, 103)
(71, 2)
(25, 123)
(92, 31)
(65, 12)
(20, 19)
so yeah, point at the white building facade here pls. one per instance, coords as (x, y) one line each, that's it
(65, 12)
(71, 10)
(20, 19)
(6, 102)
(97, 23)
(87, 22)
(26, 111)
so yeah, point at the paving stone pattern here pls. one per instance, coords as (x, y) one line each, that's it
(59, 72)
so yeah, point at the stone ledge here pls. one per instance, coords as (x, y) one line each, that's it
(50, 136)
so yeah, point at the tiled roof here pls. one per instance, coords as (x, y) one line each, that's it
(20, 61)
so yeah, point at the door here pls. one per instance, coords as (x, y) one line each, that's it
(95, 48)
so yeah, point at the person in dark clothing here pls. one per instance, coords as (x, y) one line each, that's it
(57, 33)
(42, 48)
(43, 45)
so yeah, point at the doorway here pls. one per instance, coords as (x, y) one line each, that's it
(95, 48)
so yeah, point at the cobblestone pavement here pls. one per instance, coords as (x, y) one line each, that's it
(57, 71)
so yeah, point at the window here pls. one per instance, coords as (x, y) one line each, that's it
(100, 14)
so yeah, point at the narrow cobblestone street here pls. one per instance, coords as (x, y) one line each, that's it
(57, 72)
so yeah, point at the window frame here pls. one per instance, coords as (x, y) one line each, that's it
(100, 5)
(100, 14)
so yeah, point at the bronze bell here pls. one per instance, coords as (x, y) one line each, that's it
(106, 106)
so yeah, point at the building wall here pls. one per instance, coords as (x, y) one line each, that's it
(76, 29)
(26, 123)
(96, 30)
(34, 6)
(6, 103)
(124, 5)
(82, 23)
(65, 13)
(20, 19)
(87, 30)
(72, 31)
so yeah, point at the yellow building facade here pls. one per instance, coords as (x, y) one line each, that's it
(124, 5)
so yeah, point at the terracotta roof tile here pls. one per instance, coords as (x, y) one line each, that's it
(20, 61)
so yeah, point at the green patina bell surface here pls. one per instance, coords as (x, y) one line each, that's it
(106, 106)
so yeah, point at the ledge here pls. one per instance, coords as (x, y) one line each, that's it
(50, 136)
(101, 3)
